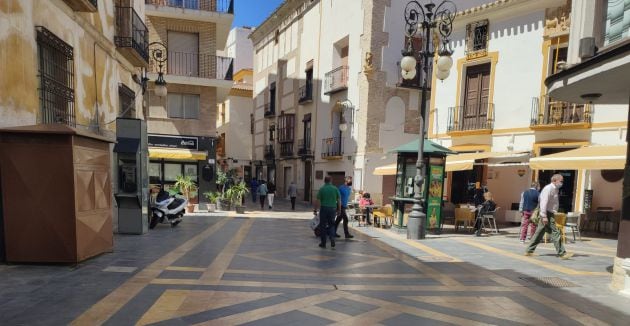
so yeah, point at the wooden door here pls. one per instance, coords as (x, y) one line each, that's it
(475, 108)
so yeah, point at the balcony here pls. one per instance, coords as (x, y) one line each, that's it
(270, 152)
(304, 148)
(336, 80)
(286, 149)
(471, 119)
(332, 148)
(270, 111)
(83, 5)
(306, 94)
(220, 6)
(200, 65)
(548, 113)
(132, 37)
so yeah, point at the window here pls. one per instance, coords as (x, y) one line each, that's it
(477, 39)
(171, 171)
(56, 78)
(307, 131)
(272, 98)
(155, 173)
(286, 128)
(475, 110)
(251, 124)
(272, 130)
(183, 53)
(557, 55)
(191, 170)
(127, 102)
(183, 106)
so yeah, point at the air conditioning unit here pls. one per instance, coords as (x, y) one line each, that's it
(587, 48)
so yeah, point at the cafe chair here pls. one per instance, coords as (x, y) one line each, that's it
(464, 215)
(490, 218)
(357, 216)
(573, 222)
(386, 213)
(561, 220)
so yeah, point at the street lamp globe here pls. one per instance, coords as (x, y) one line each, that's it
(445, 62)
(343, 126)
(442, 74)
(408, 75)
(160, 90)
(408, 63)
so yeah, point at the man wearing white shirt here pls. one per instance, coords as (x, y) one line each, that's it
(548, 207)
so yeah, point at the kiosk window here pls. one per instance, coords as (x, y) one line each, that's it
(155, 173)
(191, 170)
(171, 171)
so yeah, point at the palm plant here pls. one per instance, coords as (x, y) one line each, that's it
(236, 193)
(186, 186)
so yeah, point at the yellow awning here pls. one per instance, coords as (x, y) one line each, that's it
(389, 169)
(466, 161)
(177, 154)
(589, 158)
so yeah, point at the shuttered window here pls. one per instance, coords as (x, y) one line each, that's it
(183, 106)
(183, 53)
(476, 97)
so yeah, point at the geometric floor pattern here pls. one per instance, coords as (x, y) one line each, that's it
(271, 272)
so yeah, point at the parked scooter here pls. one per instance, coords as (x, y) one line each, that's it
(167, 209)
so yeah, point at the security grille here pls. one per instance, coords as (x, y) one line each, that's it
(56, 75)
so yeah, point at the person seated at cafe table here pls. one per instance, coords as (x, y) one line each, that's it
(488, 205)
(366, 200)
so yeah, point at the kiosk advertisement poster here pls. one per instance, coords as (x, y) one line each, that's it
(434, 200)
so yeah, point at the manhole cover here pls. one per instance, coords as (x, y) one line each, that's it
(549, 282)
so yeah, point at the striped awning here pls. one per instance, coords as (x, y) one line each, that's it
(589, 158)
(176, 154)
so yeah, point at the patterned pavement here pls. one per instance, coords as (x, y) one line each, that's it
(234, 270)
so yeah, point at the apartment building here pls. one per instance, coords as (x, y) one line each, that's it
(597, 70)
(184, 39)
(234, 118)
(330, 100)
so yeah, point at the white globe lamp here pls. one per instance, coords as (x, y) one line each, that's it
(408, 63)
(442, 74)
(445, 62)
(408, 75)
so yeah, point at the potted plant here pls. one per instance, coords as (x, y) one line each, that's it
(212, 197)
(188, 188)
(224, 201)
(236, 193)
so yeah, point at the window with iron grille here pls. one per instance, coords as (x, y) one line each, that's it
(56, 78)
(272, 98)
(477, 39)
(272, 130)
(127, 101)
(286, 128)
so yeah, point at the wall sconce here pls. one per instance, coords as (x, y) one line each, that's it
(345, 104)
(158, 54)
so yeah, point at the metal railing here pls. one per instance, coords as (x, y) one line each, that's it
(332, 147)
(270, 152)
(131, 32)
(474, 116)
(222, 6)
(306, 93)
(286, 149)
(547, 111)
(304, 147)
(336, 80)
(203, 65)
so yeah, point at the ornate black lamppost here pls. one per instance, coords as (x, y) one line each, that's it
(158, 53)
(426, 20)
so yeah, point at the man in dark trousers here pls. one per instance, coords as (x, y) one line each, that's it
(529, 202)
(329, 203)
(344, 191)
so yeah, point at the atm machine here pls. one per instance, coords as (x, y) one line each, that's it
(132, 186)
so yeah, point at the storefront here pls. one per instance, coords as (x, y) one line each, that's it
(172, 156)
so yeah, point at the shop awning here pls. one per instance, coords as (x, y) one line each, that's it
(466, 161)
(389, 169)
(589, 158)
(429, 148)
(176, 154)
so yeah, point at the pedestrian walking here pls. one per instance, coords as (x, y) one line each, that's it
(271, 193)
(253, 186)
(292, 193)
(262, 194)
(329, 203)
(344, 191)
(549, 203)
(529, 202)
(488, 205)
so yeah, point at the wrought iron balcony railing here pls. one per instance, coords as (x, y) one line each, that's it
(336, 80)
(471, 117)
(270, 152)
(547, 112)
(132, 36)
(202, 65)
(332, 148)
(286, 150)
(221, 6)
(304, 147)
(306, 94)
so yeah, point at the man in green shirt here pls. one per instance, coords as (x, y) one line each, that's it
(329, 203)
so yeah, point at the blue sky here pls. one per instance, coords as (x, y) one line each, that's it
(253, 12)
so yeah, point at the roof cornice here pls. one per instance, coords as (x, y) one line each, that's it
(276, 18)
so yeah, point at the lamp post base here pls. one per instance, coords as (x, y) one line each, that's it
(415, 228)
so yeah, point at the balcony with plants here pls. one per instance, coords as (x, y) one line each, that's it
(548, 113)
